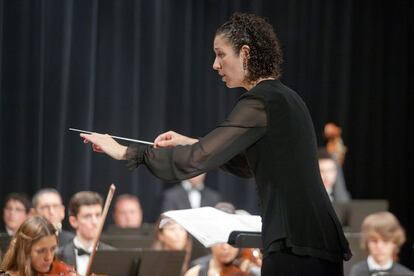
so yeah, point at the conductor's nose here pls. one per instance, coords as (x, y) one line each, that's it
(216, 64)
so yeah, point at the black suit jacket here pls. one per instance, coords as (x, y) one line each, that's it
(67, 252)
(65, 237)
(176, 198)
(361, 269)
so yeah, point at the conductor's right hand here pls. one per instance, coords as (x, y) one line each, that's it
(172, 139)
(105, 143)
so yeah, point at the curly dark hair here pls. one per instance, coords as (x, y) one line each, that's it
(265, 55)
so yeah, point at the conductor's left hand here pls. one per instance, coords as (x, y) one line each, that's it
(105, 143)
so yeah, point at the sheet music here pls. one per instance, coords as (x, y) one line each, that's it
(210, 225)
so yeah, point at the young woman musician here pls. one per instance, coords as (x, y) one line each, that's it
(32, 251)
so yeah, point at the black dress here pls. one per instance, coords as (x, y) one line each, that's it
(268, 135)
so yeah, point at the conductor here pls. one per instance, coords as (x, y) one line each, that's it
(269, 135)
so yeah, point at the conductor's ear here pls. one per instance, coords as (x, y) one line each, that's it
(245, 51)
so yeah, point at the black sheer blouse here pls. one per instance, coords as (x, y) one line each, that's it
(244, 126)
(268, 135)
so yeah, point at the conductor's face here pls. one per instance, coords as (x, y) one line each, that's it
(228, 63)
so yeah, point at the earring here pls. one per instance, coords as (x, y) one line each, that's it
(245, 65)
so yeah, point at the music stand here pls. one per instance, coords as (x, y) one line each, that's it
(138, 262)
(146, 229)
(127, 241)
(245, 239)
(359, 209)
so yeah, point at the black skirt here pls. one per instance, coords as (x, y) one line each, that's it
(285, 263)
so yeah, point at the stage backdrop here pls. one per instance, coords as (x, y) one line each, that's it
(139, 68)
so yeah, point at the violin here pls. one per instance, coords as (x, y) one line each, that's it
(59, 268)
(240, 266)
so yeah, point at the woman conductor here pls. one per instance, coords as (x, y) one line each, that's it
(269, 135)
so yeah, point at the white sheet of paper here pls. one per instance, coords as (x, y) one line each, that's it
(210, 225)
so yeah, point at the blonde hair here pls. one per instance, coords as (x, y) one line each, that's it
(386, 226)
(17, 257)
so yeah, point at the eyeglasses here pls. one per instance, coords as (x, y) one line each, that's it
(16, 210)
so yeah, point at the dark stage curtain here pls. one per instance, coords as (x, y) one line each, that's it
(139, 68)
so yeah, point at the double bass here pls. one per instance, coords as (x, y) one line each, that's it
(334, 143)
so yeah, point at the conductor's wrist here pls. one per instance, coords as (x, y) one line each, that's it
(193, 141)
(122, 152)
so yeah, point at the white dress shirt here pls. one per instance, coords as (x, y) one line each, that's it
(373, 265)
(81, 261)
(194, 193)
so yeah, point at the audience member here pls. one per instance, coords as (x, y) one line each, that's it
(382, 237)
(16, 209)
(192, 193)
(48, 203)
(32, 250)
(332, 177)
(127, 211)
(171, 236)
(85, 210)
(226, 259)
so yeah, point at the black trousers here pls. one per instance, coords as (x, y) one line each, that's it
(284, 263)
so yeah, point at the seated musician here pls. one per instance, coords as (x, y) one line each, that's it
(16, 210)
(172, 236)
(85, 210)
(47, 202)
(32, 251)
(127, 211)
(382, 237)
(226, 259)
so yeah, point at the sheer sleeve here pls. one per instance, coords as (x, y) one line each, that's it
(243, 127)
(239, 166)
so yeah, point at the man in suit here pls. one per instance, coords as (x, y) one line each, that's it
(127, 211)
(48, 203)
(85, 210)
(191, 193)
(332, 177)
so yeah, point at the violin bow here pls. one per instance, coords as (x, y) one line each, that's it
(100, 227)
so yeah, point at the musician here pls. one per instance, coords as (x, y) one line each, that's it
(332, 177)
(127, 211)
(268, 135)
(226, 259)
(16, 210)
(85, 211)
(172, 236)
(381, 237)
(191, 193)
(32, 250)
(48, 203)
